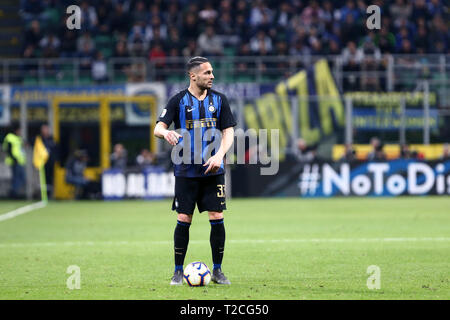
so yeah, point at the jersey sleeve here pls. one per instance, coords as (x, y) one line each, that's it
(226, 116)
(168, 113)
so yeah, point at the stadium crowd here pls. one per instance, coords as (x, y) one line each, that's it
(158, 29)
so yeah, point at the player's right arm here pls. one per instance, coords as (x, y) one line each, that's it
(162, 132)
(165, 119)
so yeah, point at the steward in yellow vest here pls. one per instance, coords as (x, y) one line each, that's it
(15, 158)
(13, 146)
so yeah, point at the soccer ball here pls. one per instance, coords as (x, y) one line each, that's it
(197, 274)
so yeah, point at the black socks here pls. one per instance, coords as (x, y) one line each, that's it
(217, 240)
(181, 241)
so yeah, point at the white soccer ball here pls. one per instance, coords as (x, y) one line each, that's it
(197, 274)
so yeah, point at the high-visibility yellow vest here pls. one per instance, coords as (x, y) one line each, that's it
(16, 149)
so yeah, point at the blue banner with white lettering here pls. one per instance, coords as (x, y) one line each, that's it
(149, 183)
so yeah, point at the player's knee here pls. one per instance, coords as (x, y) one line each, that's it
(184, 217)
(215, 215)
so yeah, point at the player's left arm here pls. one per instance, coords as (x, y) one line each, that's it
(215, 161)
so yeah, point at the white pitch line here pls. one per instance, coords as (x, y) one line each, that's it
(241, 241)
(22, 210)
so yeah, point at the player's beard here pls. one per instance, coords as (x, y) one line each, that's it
(205, 84)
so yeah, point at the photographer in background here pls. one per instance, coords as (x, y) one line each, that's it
(75, 167)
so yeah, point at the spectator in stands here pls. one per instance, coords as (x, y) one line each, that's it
(155, 12)
(440, 37)
(371, 63)
(190, 26)
(16, 159)
(326, 14)
(140, 14)
(349, 9)
(158, 39)
(385, 39)
(88, 16)
(349, 154)
(137, 46)
(405, 152)
(50, 49)
(283, 66)
(400, 10)
(403, 35)
(104, 10)
(33, 34)
(282, 17)
(350, 29)
(316, 46)
(299, 48)
(242, 8)
(377, 153)
(99, 68)
(49, 45)
(445, 152)
(226, 6)
(208, 13)
(32, 9)
(420, 10)
(242, 29)
(158, 56)
(120, 51)
(29, 66)
(120, 20)
(156, 31)
(227, 30)
(176, 65)
(406, 47)
(244, 67)
(421, 40)
(332, 47)
(145, 158)
(259, 14)
(173, 17)
(68, 46)
(352, 59)
(191, 50)
(310, 14)
(306, 153)
(85, 59)
(209, 43)
(174, 40)
(85, 42)
(261, 44)
(119, 157)
(436, 8)
(303, 52)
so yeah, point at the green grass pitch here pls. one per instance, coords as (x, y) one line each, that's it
(276, 249)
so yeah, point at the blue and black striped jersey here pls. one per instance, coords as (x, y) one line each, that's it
(190, 114)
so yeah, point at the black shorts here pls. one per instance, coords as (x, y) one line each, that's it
(207, 192)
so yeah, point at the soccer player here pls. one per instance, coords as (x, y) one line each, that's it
(198, 108)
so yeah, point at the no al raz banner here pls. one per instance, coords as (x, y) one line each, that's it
(390, 178)
(146, 183)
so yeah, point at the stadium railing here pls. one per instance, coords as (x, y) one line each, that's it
(389, 73)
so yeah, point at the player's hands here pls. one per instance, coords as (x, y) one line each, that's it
(172, 137)
(213, 163)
